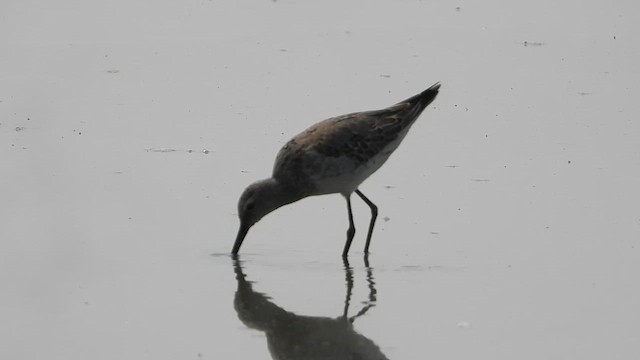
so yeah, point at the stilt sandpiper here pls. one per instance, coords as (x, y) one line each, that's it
(333, 156)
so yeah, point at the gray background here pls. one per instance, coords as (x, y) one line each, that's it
(509, 217)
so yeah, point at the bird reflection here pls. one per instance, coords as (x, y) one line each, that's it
(292, 336)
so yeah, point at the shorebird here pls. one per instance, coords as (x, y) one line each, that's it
(333, 156)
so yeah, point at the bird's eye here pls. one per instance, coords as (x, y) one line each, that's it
(251, 205)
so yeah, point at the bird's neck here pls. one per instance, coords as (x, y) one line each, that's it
(282, 193)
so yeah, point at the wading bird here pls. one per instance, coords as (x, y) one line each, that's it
(333, 156)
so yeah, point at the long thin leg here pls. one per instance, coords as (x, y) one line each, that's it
(352, 229)
(374, 216)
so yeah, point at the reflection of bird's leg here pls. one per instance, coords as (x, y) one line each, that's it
(374, 216)
(372, 284)
(372, 290)
(352, 229)
(348, 272)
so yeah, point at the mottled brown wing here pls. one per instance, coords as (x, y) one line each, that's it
(359, 136)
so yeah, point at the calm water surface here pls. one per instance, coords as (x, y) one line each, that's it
(509, 222)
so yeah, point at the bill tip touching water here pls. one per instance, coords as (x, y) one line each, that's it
(333, 156)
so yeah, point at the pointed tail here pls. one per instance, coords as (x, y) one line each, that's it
(426, 97)
(418, 103)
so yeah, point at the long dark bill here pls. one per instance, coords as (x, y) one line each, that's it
(242, 232)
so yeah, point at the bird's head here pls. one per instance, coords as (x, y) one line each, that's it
(257, 200)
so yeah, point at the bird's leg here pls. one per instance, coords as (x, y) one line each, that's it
(374, 216)
(352, 229)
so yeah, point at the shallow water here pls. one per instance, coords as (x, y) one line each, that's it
(509, 222)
